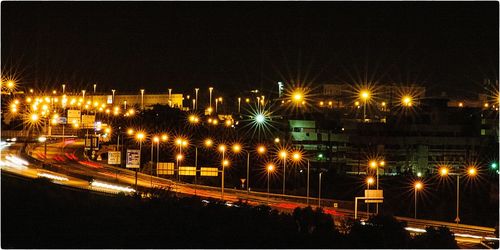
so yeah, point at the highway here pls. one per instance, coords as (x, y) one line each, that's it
(65, 164)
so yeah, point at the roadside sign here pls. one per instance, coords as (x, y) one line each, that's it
(74, 114)
(114, 157)
(374, 196)
(191, 171)
(88, 121)
(209, 171)
(62, 120)
(133, 158)
(374, 201)
(91, 141)
(165, 168)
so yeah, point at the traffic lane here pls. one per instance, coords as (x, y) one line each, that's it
(233, 195)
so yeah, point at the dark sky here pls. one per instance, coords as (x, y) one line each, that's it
(158, 45)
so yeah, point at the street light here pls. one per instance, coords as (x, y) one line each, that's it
(407, 100)
(283, 154)
(364, 95)
(374, 164)
(140, 136)
(156, 140)
(236, 149)
(369, 181)
(208, 142)
(164, 137)
(417, 186)
(471, 172)
(193, 119)
(222, 149)
(11, 85)
(178, 158)
(130, 131)
(297, 156)
(261, 149)
(181, 143)
(269, 168)
(260, 118)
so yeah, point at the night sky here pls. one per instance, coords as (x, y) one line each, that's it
(238, 46)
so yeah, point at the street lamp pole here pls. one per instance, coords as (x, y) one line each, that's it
(170, 97)
(418, 185)
(268, 185)
(222, 183)
(152, 155)
(210, 90)
(239, 105)
(457, 219)
(195, 167)
(178, 166)
(284, 174)
(415, 203)
(196, 98)
(368, 204)
(308, 182)
(157, 156)
(142, 99)
(140, 151)
(376, 208)
(248, 173)
(319, 192)
(269, 168)
(364, 110)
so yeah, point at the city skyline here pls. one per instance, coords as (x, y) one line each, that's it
(274, 125)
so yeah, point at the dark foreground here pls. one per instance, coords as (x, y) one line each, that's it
(39, 214)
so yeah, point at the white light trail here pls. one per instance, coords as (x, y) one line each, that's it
(53, 177)
(111, 186)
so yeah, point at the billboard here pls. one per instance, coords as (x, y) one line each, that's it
(133, 158)
(165, 168)
(114, 157)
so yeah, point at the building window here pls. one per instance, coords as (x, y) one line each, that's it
(483, 131)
